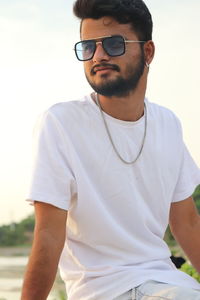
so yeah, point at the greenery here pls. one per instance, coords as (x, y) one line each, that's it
(17, 234)
(196, 197)
(61, 295)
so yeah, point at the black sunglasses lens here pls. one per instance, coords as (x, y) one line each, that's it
(85, 50)
(114, 46)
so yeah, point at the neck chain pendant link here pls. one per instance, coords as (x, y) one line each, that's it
(111, 139)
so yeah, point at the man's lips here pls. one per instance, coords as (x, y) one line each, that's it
(101, 68)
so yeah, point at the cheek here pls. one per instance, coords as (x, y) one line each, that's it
(87, 67)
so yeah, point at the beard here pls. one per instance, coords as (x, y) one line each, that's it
(120, 86)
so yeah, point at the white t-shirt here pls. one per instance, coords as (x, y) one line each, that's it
(117, 213)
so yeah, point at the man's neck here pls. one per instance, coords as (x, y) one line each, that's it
(128, 108)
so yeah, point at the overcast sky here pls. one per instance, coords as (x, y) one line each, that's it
(38, 68)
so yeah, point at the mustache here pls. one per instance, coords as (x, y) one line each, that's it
(103, 65)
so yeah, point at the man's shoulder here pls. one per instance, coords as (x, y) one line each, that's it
(162, 112)
(67, 114)
(68, 107)
(164, 118)
(71, 111)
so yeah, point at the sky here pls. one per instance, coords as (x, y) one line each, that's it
(38, 68)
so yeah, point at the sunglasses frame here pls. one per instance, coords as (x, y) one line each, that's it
(100, 40)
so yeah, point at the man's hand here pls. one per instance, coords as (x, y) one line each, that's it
(49, 238)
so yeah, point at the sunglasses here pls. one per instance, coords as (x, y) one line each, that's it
(112, 45)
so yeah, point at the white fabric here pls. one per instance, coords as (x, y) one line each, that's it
(118, 213)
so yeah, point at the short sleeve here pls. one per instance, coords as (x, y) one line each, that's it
(189, 177)
(52, 179)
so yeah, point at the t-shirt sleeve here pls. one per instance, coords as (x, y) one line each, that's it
(52, 179)
(189, 177)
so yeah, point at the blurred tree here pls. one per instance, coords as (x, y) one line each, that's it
(17, 234)
(196, 197)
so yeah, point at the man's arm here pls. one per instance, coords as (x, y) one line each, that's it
(49, 237)
(185, 226)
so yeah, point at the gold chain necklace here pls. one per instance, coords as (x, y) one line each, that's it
(110, 137)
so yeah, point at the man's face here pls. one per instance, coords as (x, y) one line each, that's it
(113, 76)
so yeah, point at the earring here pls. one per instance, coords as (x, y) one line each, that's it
(147, 65)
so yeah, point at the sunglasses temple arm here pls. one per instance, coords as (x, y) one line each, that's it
(135, 41)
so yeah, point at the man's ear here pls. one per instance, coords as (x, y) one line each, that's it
(149, 52)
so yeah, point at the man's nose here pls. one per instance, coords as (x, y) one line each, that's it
(100, 54)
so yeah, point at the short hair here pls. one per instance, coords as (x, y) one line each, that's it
(133, 12)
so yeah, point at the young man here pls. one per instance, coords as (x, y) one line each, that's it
(114, 168)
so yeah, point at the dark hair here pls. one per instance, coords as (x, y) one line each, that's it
(134, 12)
